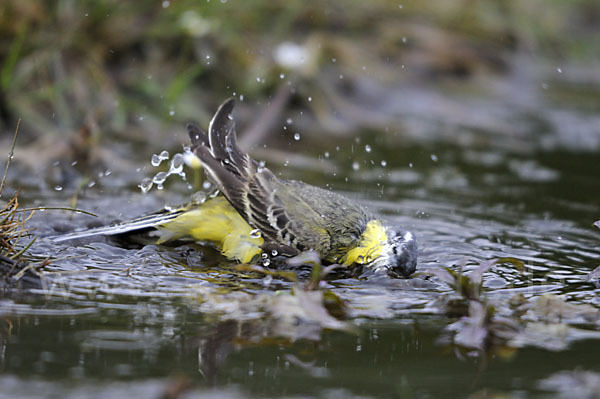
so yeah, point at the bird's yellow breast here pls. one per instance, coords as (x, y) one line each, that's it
(370, 245)
(218, 222)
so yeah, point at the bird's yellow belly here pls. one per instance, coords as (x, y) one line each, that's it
(218, 222)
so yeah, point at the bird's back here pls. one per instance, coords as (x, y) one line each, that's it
(342, 220)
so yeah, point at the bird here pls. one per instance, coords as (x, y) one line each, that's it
(256, 216)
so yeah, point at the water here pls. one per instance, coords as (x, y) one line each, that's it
(118, 318)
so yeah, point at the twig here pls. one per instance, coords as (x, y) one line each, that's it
(21, 252)
(10, 156)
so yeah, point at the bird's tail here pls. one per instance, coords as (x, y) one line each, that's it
(145, 222)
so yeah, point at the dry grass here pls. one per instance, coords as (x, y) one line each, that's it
(12, 228)
(12, 231)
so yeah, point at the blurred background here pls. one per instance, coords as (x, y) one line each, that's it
(94, 80)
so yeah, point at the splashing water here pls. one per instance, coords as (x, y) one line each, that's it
(157, 159)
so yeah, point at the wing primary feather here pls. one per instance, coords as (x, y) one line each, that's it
(250, 189)
(219, 127)
(197, 135)
(142, 223)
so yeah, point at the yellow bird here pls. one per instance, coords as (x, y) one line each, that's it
(257, 216)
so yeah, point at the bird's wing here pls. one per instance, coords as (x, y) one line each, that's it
(252, 189)
(142, 223)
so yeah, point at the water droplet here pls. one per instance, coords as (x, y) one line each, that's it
(368, 148)
(266, 262)
(145, 185)
(241, 97)
(289, 121)
(176, 166)
(297, 136)
(309, 99)
(333, 60)
(261, 167)
(255, 233)
(274, 252)
(264, 255)
(383, 163)
(199, 197)
(410, 164)
(214, 194)
(434, 158)
(206, 184)
(559, 70)
(326, 154)
(155, 161)
(58, 188)
(171, 112)
(166, 4)
(160, 178)
(91, 184)
(355, 165)
(281, 76)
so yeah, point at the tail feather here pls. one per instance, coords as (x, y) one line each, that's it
(145, 222)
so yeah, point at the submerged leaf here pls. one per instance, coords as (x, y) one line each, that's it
(573, 384)
(477, 274)
(553, 308)
(554, 336)
(517, 263)
(302, 314)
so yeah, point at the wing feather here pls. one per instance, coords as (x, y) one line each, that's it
(249, 187)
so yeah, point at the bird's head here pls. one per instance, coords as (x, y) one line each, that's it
(401, 258)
